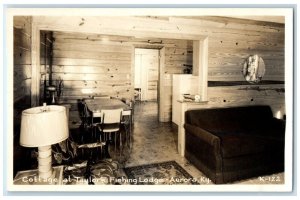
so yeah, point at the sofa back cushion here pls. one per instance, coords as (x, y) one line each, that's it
(232, 119)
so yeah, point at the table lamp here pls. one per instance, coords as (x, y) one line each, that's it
(51, 89)
(41, 127)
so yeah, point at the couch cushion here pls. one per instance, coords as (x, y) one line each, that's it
(239, 144)
(233, 145)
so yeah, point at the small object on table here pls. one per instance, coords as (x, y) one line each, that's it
(197, 98)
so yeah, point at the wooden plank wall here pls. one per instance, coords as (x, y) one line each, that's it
(22, 66)
(229, 49)
(91, 64)
(226, 96)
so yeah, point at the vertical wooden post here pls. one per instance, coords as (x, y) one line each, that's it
(200, 65)
(35, 65)
(203, 68)
(196, 57)
(132, 72)
(161, 83)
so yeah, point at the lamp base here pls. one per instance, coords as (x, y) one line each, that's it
(45, 162)
(49, 179)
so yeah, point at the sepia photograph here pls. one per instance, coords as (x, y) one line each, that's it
(150, 99)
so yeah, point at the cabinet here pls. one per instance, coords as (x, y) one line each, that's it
(182, 84)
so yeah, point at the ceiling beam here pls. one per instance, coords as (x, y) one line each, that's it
(273, 19)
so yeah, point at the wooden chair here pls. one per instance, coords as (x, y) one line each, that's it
(127, 116)
(110, 123)
(138, 94)
(91, 122)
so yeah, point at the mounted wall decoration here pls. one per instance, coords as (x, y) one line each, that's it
(254, 69)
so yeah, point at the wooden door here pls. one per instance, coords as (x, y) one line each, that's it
(146, 73)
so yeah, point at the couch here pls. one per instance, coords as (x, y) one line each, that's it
(231, 144)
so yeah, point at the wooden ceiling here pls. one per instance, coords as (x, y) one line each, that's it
(255, 20)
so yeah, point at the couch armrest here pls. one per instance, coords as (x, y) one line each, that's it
(204, 136)
(204, 147)
(278, 123)
(273, 127)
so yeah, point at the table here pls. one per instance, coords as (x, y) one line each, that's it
(96, 105)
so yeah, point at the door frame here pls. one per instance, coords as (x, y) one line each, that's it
(161, 69)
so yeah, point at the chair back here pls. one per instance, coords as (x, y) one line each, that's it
(112, 116)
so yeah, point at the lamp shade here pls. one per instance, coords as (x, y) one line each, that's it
(43, 125)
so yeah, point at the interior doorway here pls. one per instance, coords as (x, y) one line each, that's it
(146, 81)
